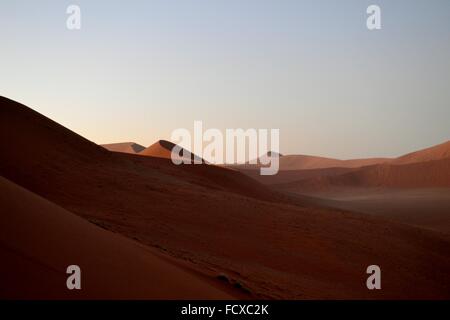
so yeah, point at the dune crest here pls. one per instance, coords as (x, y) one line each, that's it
(163, 149)
(126, 147)
(437, 152)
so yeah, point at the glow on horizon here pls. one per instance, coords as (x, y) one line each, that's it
(138, 70)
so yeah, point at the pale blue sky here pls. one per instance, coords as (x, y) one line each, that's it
(139, 69)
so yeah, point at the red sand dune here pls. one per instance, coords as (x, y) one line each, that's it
(302, 162)
(423, 207)
(227, 225)
(43, 146)
(305, 162)
(287, 176)
(438, 152)
(298, 167)
(126, 147)
(430, 174)
(163, 149)
(307, 173)
(39, 240)
(412, 189)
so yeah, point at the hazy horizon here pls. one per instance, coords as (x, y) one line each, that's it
(138, 70)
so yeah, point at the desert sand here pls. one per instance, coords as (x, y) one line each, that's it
(307, 162)
(163, 149)
(429, 174)
(292, 176)
(313, 171)
(302, 162)
(264, 243)
(39, 240)
(438, 152)
(422, 207)
(412, 189)
(126, 147)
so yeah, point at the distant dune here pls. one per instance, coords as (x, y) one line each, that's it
(306, 173)
(289, 176)
(39, 240)
(163, 149)
(302, 162)
(412, 189)
(305, 162)
(438, 152)
(126, 147)
(258, 242)
(422, 207)
(428, 174)
(160, 149)
(297, 167)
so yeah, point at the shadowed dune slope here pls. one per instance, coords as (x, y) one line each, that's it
(47, 155)
(126, 147)
(39, 240)
(224, 223)
(287, 176)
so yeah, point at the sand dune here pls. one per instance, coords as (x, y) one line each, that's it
(305, 173)
(44, 146)
(438, 152)
(411, 189)
(325, 168)
(301, 162)
(160, 149)
(300, 167)
(289, 176)
(126, 147)
(163, 149)
(39, 240)
(229, 226)
(415, 175)
(423, 207)
(306, 162)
